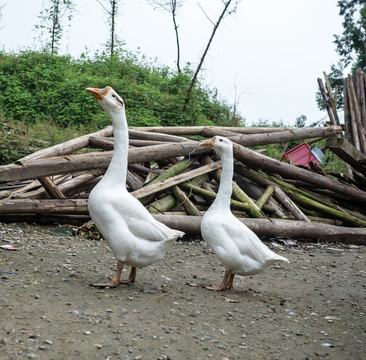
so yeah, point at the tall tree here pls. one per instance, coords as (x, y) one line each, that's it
(216, 25)
(351, 45)
(111, 7)
(51, 20)
(171, 6)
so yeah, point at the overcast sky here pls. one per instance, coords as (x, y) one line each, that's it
(269, 53)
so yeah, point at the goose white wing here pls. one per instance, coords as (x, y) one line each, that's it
(140, 222)
(234, 243)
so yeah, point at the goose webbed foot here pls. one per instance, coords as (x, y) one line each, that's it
(116, 278)
(131, 279)
(227, 282)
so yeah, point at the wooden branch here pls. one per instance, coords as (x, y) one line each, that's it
(326, 102)
(51, 188)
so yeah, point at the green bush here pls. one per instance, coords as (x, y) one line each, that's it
(39, 86)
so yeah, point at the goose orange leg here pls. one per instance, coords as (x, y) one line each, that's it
(226, 284)
(132, 277)
(116, 278)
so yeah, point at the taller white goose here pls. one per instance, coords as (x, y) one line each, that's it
(240, 250)
(135, 237)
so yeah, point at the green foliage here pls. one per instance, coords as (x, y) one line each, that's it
(39, 86)
(350, 45)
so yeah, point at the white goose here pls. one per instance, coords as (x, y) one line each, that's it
(135, 237)
(240, 250)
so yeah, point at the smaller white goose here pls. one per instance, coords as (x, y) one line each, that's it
(239, 248)
(135, 237)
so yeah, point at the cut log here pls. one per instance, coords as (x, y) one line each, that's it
(348, 153)
(283, 136)
(198, 130)
(36, 168)
(47, 206)
(277, 228)
(67, 147)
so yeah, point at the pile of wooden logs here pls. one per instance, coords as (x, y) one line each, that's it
(177, 180)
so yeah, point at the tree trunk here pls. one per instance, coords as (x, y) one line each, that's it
(188, 95)
(277, 228)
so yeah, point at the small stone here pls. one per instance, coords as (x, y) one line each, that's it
(87, 332)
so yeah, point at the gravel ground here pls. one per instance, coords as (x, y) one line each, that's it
(313, 308)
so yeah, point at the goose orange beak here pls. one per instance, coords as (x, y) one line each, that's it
(209, 143)
(98, 93)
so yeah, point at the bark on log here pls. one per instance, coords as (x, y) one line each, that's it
(47, 206)
(67, 147)
(198, 130)
(67, 164)
(145, 135)
(283, 136)
(51, 188)
(289, 205)
(276, 228)
(267, 164)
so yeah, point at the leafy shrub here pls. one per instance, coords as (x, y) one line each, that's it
(40, 86)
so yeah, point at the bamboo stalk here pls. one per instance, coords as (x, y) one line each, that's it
(265, 196)
(161, 205)
(182, 199)
(267, 164)
(157, 187)
(238, 205)
(312, 204)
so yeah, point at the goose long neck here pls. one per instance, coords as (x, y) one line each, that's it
(117, 169)
(225, 189)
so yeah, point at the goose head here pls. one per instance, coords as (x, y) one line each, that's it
(108, 99)
(219, 144)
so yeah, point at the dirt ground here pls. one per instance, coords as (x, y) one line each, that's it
(313, 308)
